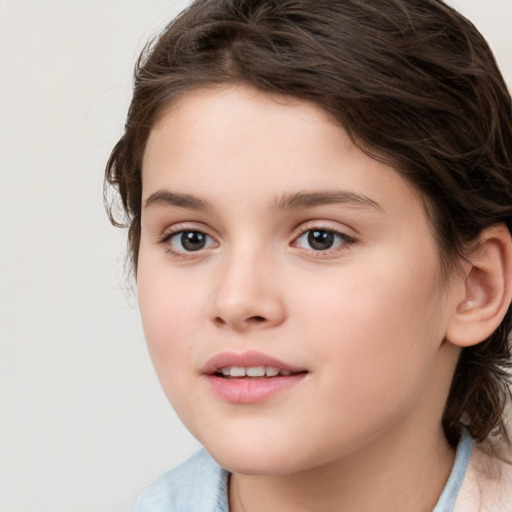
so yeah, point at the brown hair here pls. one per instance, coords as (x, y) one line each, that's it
(411, 81)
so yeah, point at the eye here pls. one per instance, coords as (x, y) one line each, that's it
(188, 241)
(321, 239)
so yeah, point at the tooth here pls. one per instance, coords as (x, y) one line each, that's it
(237, 371)
(286, 372)
(226, 371)
(271, 371)
(255, 371)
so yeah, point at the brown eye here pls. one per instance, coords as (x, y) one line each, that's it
(321, 239)
(193, 240)
(190, 241)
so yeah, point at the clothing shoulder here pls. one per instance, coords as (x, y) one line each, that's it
(197, 485)
(488, 484)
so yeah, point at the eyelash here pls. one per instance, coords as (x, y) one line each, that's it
(345, 241)
(166, 238)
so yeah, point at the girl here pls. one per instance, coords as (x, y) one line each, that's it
(319, 203)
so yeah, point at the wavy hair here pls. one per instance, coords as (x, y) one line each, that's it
(412, 82)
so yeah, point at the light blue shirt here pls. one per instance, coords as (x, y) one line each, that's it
(201, 485)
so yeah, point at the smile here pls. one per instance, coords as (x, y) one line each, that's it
(252, 371)
(249, 377)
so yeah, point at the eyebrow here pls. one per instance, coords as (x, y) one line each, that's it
(305, 199)
(168, 198)
(287, 201)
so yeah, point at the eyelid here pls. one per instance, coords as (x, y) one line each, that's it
(174, 230)
(349, 240)
(325, 225)
(179, 227)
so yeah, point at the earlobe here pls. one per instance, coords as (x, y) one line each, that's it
(487, 289)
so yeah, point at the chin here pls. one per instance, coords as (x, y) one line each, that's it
(258, 457)
(258, 465)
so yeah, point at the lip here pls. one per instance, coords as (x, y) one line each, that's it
(249, 358)
(249, 390)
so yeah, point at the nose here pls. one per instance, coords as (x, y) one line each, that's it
(248, 294)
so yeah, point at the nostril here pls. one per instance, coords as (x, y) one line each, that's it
(219, 321)
(252, 320)
(256, 319)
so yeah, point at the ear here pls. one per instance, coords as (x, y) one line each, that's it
(487, 289)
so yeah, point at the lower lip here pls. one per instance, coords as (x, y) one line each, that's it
(251, 390)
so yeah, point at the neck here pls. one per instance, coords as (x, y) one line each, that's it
(396, 474)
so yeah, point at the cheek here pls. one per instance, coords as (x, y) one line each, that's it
(380, 326)
(166, 296)
(169, 318)
(166, 322)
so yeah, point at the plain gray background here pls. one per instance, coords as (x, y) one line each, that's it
(83, 423)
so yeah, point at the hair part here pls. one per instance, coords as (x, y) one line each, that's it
(412, 82)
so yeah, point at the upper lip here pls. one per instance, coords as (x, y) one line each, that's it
(247, 359)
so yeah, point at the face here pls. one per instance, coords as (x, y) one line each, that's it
(288, 284)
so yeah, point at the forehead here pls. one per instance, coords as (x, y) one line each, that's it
(208, 118)
(242, 143)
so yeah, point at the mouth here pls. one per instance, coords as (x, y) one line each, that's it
(253, 372)
(251, 364)
(250, 377)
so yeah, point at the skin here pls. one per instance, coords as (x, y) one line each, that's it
(366, 318)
